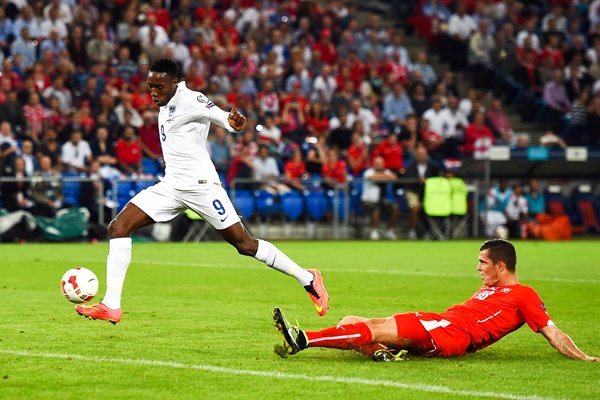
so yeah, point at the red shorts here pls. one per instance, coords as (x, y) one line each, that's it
(412, 336)
(432, 334)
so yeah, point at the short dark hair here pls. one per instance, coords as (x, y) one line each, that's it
(501, 250)
(167, 66)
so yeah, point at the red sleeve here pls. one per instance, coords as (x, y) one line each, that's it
(533, 309)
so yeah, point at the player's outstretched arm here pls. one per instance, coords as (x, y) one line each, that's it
(564, 344)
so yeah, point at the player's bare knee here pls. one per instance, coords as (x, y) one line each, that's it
(116, 229)
(351, 319)
(246, 247)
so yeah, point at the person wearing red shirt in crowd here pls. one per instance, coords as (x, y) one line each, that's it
(334, 171)
(478, 137)
(392, 152)
(295, 170)
(160, 13)
(501, 306)
(226, 33)
(326, 47)
(206, 11)
(293, 115)
(317, 122)
(128, 152)
(141, 99)
(432, 140)
(553, 51)
(358, 154)
(267, 101)
(149, 140)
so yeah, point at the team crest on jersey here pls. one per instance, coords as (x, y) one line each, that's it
(505, 290)
(171, 111)
(201, 99)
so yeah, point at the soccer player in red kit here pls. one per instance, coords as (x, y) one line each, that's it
(499, 307)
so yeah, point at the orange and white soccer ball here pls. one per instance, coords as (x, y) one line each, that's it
(79, 285)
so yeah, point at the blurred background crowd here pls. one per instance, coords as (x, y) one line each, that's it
(329, 90)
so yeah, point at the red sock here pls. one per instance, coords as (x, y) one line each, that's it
(343, 337)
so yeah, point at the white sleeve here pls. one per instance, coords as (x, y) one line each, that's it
(219, 117)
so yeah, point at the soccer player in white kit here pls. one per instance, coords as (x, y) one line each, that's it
(190, 182)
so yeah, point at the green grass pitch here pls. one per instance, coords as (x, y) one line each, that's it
(197, 323)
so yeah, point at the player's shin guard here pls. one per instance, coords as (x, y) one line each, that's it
(117, 262)
(276, 259)
(344, 337)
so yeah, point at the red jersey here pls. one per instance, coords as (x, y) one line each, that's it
(489, 315)
(128, 152)
(294, 170)
(393, 154)
(337, 172)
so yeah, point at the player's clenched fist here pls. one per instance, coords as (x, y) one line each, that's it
(236, 120)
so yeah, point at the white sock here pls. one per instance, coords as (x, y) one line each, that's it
(117, 262)
(275, 258)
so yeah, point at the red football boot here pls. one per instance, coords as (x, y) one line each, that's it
(99, 311)
(317, 293)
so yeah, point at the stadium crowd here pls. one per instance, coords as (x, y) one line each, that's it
(325, 92)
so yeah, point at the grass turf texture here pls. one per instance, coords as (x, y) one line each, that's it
(197, 323)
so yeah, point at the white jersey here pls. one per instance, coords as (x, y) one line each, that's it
(183, 125)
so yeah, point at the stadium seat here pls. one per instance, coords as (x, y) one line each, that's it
(69, 223)
(584, 204)
(141, 185)
(292, 205)
(71, 189)
(266, 204)
(243, 201)
(339, 203)
(125, 191)
(316, 204)
(150, 166)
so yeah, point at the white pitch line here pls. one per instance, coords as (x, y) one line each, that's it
(279, 375)
(363, 271)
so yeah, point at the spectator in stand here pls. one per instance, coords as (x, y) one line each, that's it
(46, 189)
(76, 153)
(294, 115)
(552, 141)
(408, 136)
(61, 92)
(17, 195)
(6, 31)
(392, 152)
(295, 171)
(517, 213)
(267, 172)
(99, 49)
(128, 152)
(396, 46)
(435, 116)
(54, 43)
(419, 99)
(499, 123)
(315, 159)
(103, 151)
(324, 86)
(126, 107)
(529, 76)
(453, 128)
(267, 100)
(24, 46)
(221, 150)
(50, 146)
(428, 75)
(536, 202)
(559, 19)
(481, 46)
(359, 113)
(528, 33)
(326, 48)
(242, 166)
(35, 116)
(554, 52)
(12, 111)
(335, 171)
(396, 106)
(460, 28)
(317, 122)
(270, 133)
(555, 97)
(28, 157)
(375, 200)
(357, 155)
(478, 138)
(433, 141)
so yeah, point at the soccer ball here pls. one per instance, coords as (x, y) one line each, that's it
(79, 285)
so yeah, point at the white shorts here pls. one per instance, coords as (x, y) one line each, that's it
(162, 202)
